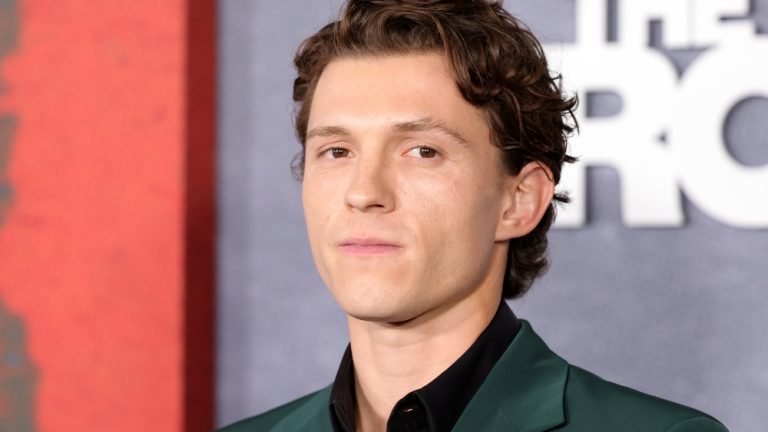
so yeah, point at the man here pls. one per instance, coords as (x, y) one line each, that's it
(433, 136)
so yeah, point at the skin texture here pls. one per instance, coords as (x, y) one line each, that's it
(409, 214)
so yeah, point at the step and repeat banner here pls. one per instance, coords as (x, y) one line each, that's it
(659, 278)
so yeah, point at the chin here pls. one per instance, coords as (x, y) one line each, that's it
(372, 307)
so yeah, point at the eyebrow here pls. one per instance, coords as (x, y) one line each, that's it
(326, 131)
(426, 124)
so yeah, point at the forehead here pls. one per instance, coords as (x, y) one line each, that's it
(375, 91)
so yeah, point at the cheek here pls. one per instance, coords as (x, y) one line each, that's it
(454, 216)
(316, 214)
(309, 202)
(323, 198)
(318, 194)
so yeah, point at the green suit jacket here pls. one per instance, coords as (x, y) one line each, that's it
(530, 389)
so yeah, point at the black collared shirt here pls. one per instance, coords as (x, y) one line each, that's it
(437, 406)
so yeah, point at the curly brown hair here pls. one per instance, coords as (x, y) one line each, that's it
(499, 67)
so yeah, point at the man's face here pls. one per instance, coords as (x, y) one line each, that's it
(402, 188)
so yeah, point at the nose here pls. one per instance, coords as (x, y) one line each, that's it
(371, 187)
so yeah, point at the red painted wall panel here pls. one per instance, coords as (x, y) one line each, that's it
(94, 248)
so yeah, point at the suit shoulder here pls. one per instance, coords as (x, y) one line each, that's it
(699, 424)
(593, 400)
(267, 420)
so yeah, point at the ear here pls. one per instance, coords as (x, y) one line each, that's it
(528, 195)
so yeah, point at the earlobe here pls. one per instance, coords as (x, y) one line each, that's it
(529, 195)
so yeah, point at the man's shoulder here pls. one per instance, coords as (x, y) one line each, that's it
(304, 407)
(594, 400)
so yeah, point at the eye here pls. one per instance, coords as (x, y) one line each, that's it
(335, 153)
(423, 152)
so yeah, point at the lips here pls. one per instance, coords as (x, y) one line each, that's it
(368, 246)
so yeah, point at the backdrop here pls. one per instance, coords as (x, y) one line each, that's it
(659, 282)
(106, 215)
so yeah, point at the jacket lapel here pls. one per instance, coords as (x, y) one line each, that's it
(524, 391)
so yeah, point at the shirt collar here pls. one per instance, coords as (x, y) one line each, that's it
(438, 405)
(343, 400)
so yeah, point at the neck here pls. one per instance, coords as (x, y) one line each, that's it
(392, 360)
